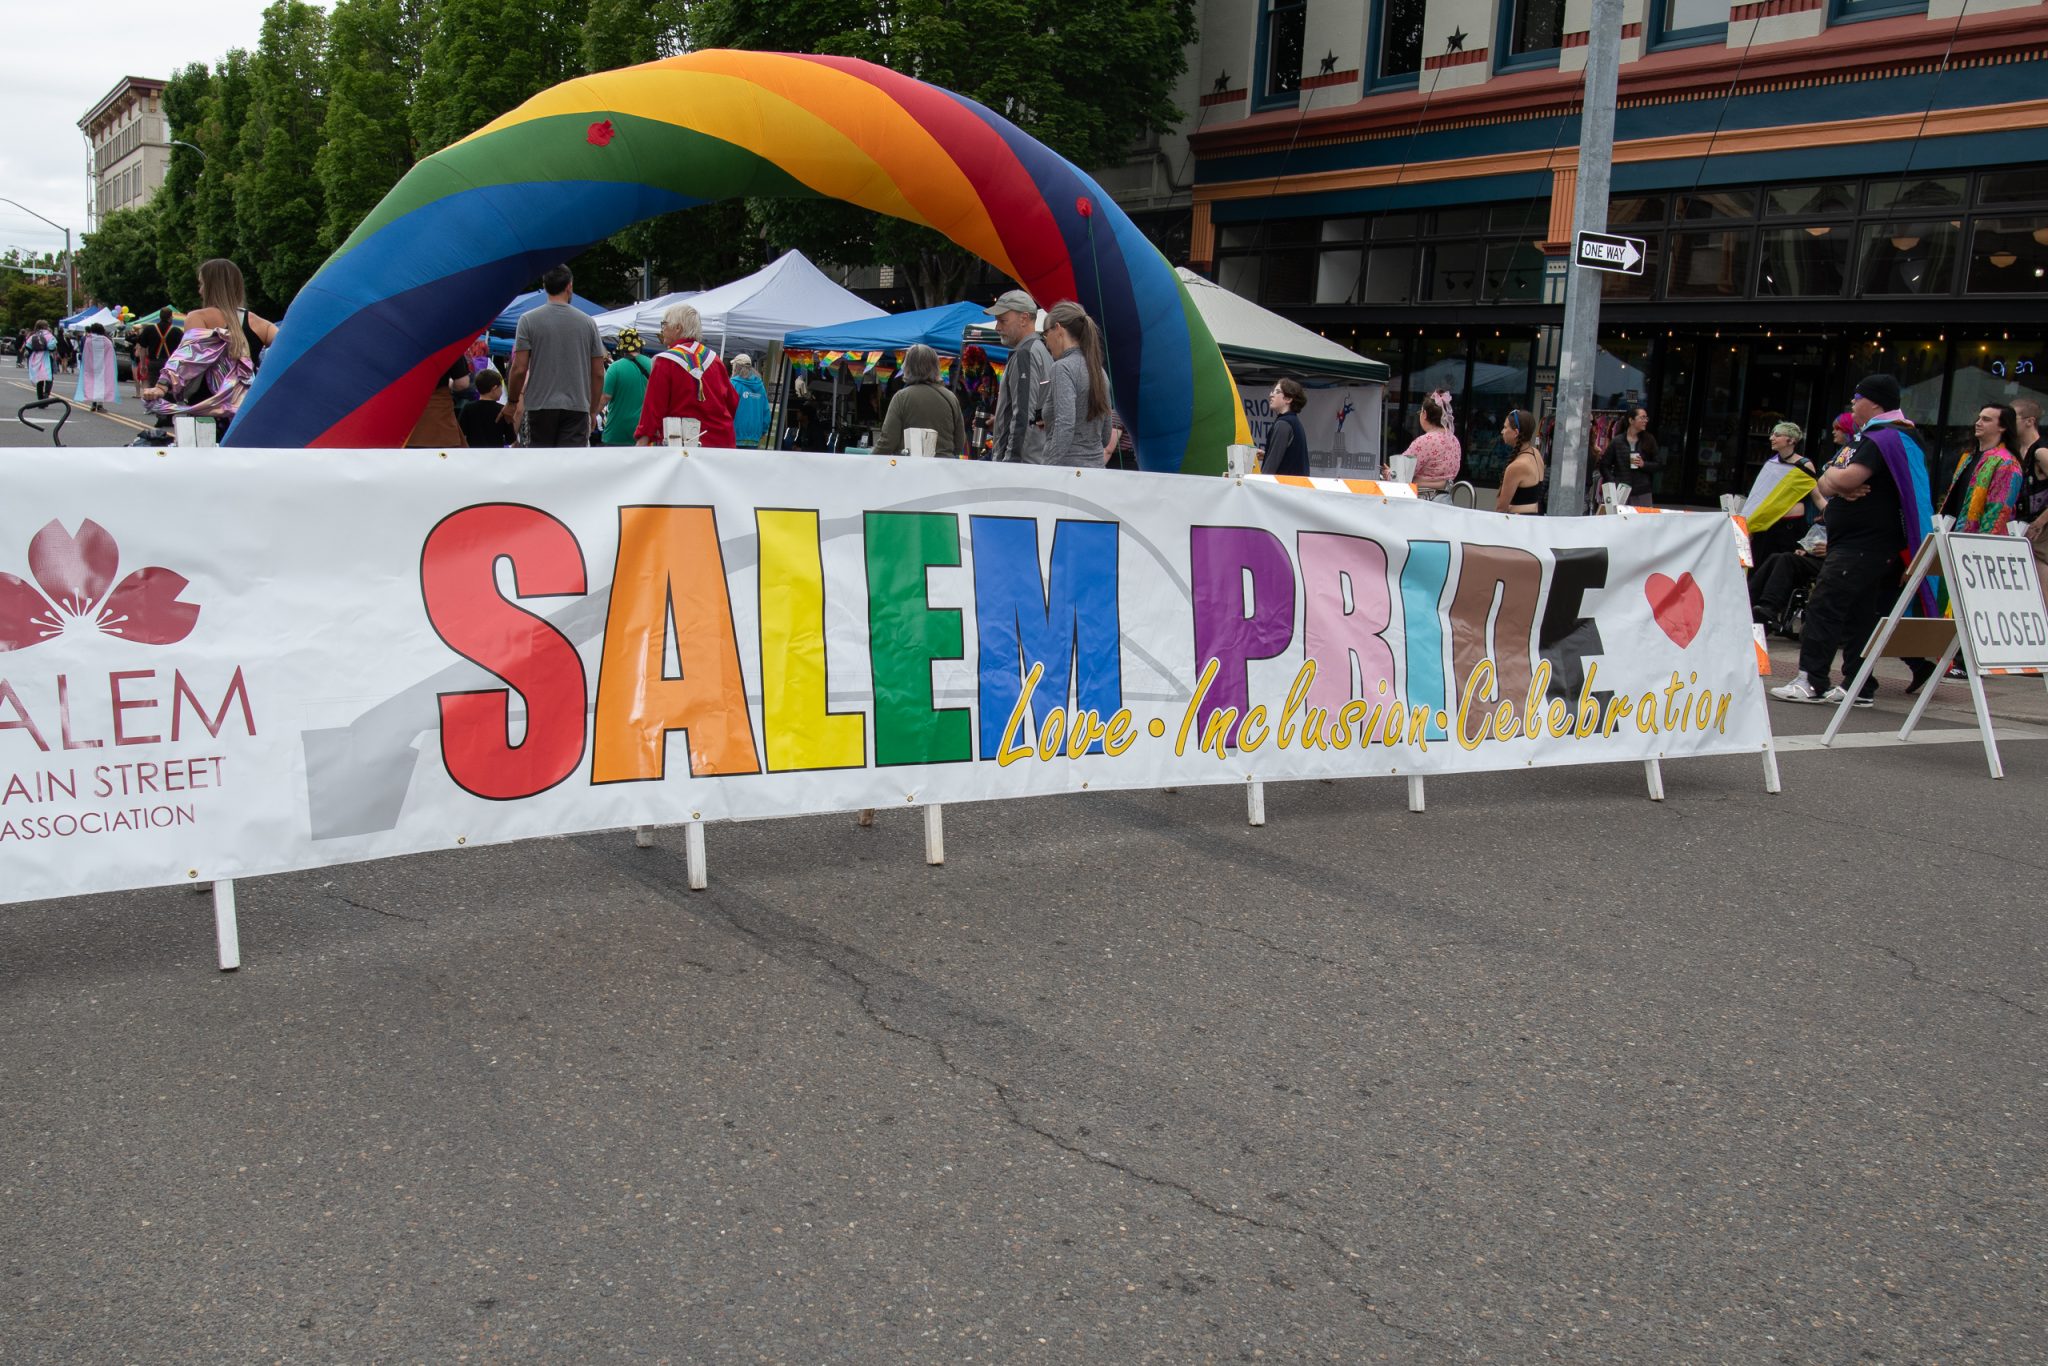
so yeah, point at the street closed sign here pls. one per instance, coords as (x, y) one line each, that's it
(1604, 251)
(1997, 594)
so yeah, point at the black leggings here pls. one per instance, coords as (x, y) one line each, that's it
(43, 388)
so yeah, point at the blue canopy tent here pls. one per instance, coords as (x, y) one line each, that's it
(507, 322)
(939, 328)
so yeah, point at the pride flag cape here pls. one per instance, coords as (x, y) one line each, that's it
(1903, 457)
(1779, 488)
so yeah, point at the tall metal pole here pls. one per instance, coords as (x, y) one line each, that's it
(69, 309)
(1581, 346)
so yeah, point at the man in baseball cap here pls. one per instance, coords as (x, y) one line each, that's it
(1027, 379)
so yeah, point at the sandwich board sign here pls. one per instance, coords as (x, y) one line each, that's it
(1605, 251)
(1998, 621)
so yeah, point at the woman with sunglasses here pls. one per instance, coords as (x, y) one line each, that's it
(1525, 484)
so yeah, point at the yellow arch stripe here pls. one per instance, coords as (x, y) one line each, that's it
(828, 130)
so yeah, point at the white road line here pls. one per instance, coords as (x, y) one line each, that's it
(76, 410)
(1795, 744)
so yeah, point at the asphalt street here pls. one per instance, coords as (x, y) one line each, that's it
(1548, 1072)
(116, 427)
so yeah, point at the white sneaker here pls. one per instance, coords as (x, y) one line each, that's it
(1834, 696)
(1798, 690)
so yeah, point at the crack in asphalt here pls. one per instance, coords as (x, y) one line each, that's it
(825, 953)
(1913, 973)
(1265, 943)
(1014, 1113)
(366, 906)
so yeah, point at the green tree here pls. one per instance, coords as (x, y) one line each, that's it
(117, 262)
(692, 249)
(373, 63)
(177, 229)
(484, 58)
(1084, 77)
(276, 193)
(26, 301)
(223, 111)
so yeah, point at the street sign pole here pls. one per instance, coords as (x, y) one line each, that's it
(1568, 449)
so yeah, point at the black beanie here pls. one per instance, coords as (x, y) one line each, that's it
(1882, 390)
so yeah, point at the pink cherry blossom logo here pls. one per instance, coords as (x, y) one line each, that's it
(75, 591)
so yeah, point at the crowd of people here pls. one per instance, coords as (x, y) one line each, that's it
(1856, 522)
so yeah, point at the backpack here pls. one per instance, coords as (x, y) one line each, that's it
(2033, 487)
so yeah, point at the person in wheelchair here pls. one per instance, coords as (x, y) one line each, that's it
(1779, 585)
(1436, 452)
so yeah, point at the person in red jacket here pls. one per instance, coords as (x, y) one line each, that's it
(689, 380)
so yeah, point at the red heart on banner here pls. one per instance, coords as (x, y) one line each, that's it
(1678, 605)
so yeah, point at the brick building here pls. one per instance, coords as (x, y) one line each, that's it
(130, 143)
(1825, 187)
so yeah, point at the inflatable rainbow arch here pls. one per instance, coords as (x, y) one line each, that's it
(369, 336)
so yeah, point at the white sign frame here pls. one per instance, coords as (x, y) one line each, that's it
(1937, 553)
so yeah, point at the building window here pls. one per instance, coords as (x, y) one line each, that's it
(2008, 256)
(1687, 23)
(1804, 263)
(1807, 201)
(1394, 50)
(1709, 265)
(1282, 29)
(1849, 11)
(1451, 271)
(1390, 275)
(1919, 192)
(1514, 273)
(1908, 258)
(1531, 33)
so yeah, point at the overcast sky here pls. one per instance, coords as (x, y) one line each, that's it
(61, 57)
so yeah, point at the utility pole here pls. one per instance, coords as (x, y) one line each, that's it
(69, 307)
(1581, 341)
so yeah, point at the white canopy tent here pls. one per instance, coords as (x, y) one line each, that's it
(610, 324)
(753, 313)
(106, 317)
(1346, 391)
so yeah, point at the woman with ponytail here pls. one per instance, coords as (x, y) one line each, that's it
(212, 367)
(1525, 484)
(1077, 417)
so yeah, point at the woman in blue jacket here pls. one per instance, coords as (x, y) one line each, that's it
(750, 419)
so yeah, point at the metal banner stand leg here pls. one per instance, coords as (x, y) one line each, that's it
(935, 835)
(693, 855)
(1654, 771)
(1983, 718)
(1255, 802)
(225, 931)
(1415, 792)
(199, 433)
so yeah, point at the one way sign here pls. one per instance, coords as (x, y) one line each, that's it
(1603, 251)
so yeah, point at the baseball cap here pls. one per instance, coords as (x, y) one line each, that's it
(1014, 301)
(743, 359)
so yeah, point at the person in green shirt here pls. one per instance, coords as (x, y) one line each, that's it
(625, 384)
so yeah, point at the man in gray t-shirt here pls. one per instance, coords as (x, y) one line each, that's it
(557, 368)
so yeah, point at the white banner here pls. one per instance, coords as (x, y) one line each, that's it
(223, 663)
